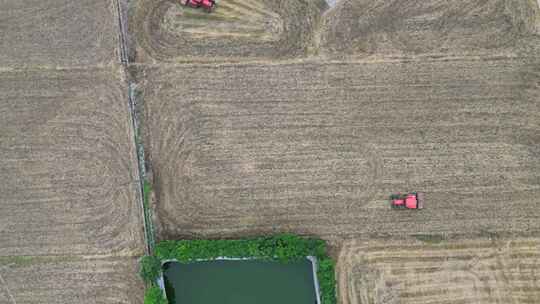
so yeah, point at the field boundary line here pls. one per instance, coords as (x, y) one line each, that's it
(122, 33)
(139, 149)
(324, 61)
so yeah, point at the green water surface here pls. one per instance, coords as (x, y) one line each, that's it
(240, 282)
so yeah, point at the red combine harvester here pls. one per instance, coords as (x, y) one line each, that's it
(413, 200)
(207, 5)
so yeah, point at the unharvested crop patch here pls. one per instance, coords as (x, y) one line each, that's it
(317, 148)
(167, 31)
(458, 271)
(382, 27)
(67, 166)
(70, 280)
(57, 32)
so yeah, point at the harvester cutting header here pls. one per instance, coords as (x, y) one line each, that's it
(207, 5)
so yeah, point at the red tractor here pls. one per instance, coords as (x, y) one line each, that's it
(413, 200)
(207, 5)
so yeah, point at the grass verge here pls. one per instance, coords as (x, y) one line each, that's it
(430, 238)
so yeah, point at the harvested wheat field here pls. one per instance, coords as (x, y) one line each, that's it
(68, 166)
(382, 27)
(57, 33)
(237, 30)
(69, 280)
(476, 271)
(318, 148)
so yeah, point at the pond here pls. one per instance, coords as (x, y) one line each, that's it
(240, 282)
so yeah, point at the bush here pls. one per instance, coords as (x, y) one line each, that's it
(150, 268)
(283, 248)
(147, 189)
(154, 295)
(327, 281)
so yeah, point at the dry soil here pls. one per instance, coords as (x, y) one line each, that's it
(317, 148)
(65, 279)
(475, 270)
(68, 179)
(406, 28)
(45, 33)
(165, 31)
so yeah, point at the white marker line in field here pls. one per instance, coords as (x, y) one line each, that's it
(7, 289)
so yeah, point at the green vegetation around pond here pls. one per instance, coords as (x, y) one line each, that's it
(285, 248)
(240, 282)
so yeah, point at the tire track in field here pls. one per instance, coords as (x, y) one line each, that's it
(378, 27)
(91, 280)
(258, 148)
(250, 169)
(167, 31)
(6, 288)
(70, 179)
(458, 271)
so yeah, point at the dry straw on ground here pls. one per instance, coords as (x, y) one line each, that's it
(52, 33)
(317, 148)
(165, 31)
(476, 270)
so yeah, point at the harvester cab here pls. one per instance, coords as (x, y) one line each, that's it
(207, 5)
(413, 200)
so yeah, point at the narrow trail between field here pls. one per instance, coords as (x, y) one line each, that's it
(121, 6)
